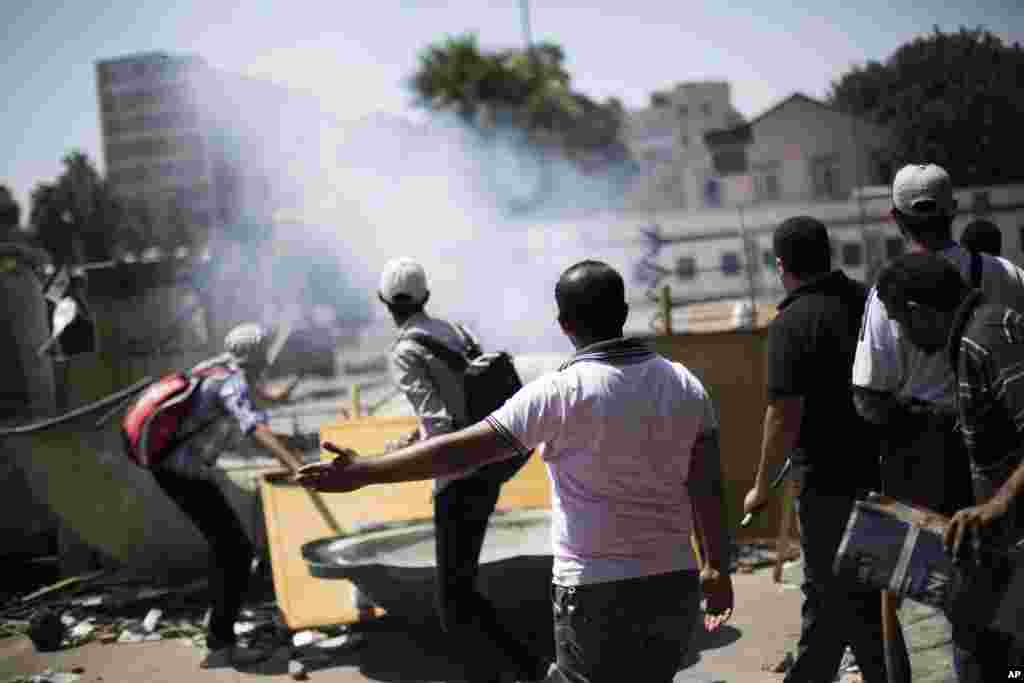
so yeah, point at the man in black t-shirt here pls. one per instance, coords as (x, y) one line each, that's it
(811, 417)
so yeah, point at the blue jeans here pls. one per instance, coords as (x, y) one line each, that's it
(620, 631)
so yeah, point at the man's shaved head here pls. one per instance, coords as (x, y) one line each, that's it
(591, 298)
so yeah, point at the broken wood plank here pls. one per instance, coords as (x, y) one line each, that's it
(64, 583)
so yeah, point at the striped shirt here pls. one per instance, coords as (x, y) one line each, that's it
(987, 350)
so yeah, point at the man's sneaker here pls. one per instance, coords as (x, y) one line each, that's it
(232, 656)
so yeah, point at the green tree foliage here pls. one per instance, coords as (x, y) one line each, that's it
(956, 99)
(10, 214)
(529, 90)
(76, 217)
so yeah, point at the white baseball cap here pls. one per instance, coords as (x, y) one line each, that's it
(922, 191)
(403, 277)
(248, 343)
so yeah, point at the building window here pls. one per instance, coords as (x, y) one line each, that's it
(712, 193)
(883, 171)
(730, 263)
(853, 255)
(981, 203)
(705, 109)
(893, 247)
(686, 268)
(825, 177)
(766, 181)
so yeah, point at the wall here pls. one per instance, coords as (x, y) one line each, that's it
(732, 367)
(29, 527)
(800, 130)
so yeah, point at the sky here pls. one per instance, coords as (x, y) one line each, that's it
(357, 56)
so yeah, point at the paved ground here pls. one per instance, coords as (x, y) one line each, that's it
(765, 622)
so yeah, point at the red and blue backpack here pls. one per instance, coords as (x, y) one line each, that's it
(150, 427)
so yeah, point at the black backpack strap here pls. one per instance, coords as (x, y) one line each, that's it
(977, 266)
(454, 360)
(179, 439)
(473, 349)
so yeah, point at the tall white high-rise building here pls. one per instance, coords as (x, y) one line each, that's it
(185, 143)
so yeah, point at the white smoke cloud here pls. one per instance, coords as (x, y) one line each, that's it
(383, 187)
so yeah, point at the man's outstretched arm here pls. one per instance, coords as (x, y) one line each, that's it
(438, 456)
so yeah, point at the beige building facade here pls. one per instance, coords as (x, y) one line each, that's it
(667, 140)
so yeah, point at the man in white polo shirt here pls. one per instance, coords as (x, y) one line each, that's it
(630, 441)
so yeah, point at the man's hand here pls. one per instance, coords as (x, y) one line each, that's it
(718, 596)
(756, 497)
(971, 524)
(336, 476)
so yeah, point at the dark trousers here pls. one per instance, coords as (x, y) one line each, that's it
(204, 503)
(835, 613)
(621, 631)
(461, 513)
(982, 654)
(925, 462)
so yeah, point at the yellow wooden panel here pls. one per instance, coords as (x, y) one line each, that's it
(294, 517)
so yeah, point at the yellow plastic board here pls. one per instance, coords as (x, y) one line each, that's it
(295, 517)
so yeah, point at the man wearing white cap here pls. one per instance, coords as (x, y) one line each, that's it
(909, 391)
(187, 477)
(463, 502)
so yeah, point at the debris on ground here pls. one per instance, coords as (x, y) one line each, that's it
(780, 666)
(297, 670)
(304, 638)
(348, 641)
(105, 608)
(750, 556)
(51, 676)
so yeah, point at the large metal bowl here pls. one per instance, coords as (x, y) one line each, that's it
(394, 567)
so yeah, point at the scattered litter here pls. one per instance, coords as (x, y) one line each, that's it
(130, 637)
(780, 667)
(243, 627)
(51, 676)
(81, 630)
(297, 670)
(347, 641)
(151, 620)
(304, 638)
(89, 601)
(151, 593)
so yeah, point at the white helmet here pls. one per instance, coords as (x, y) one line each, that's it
(248, 343)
